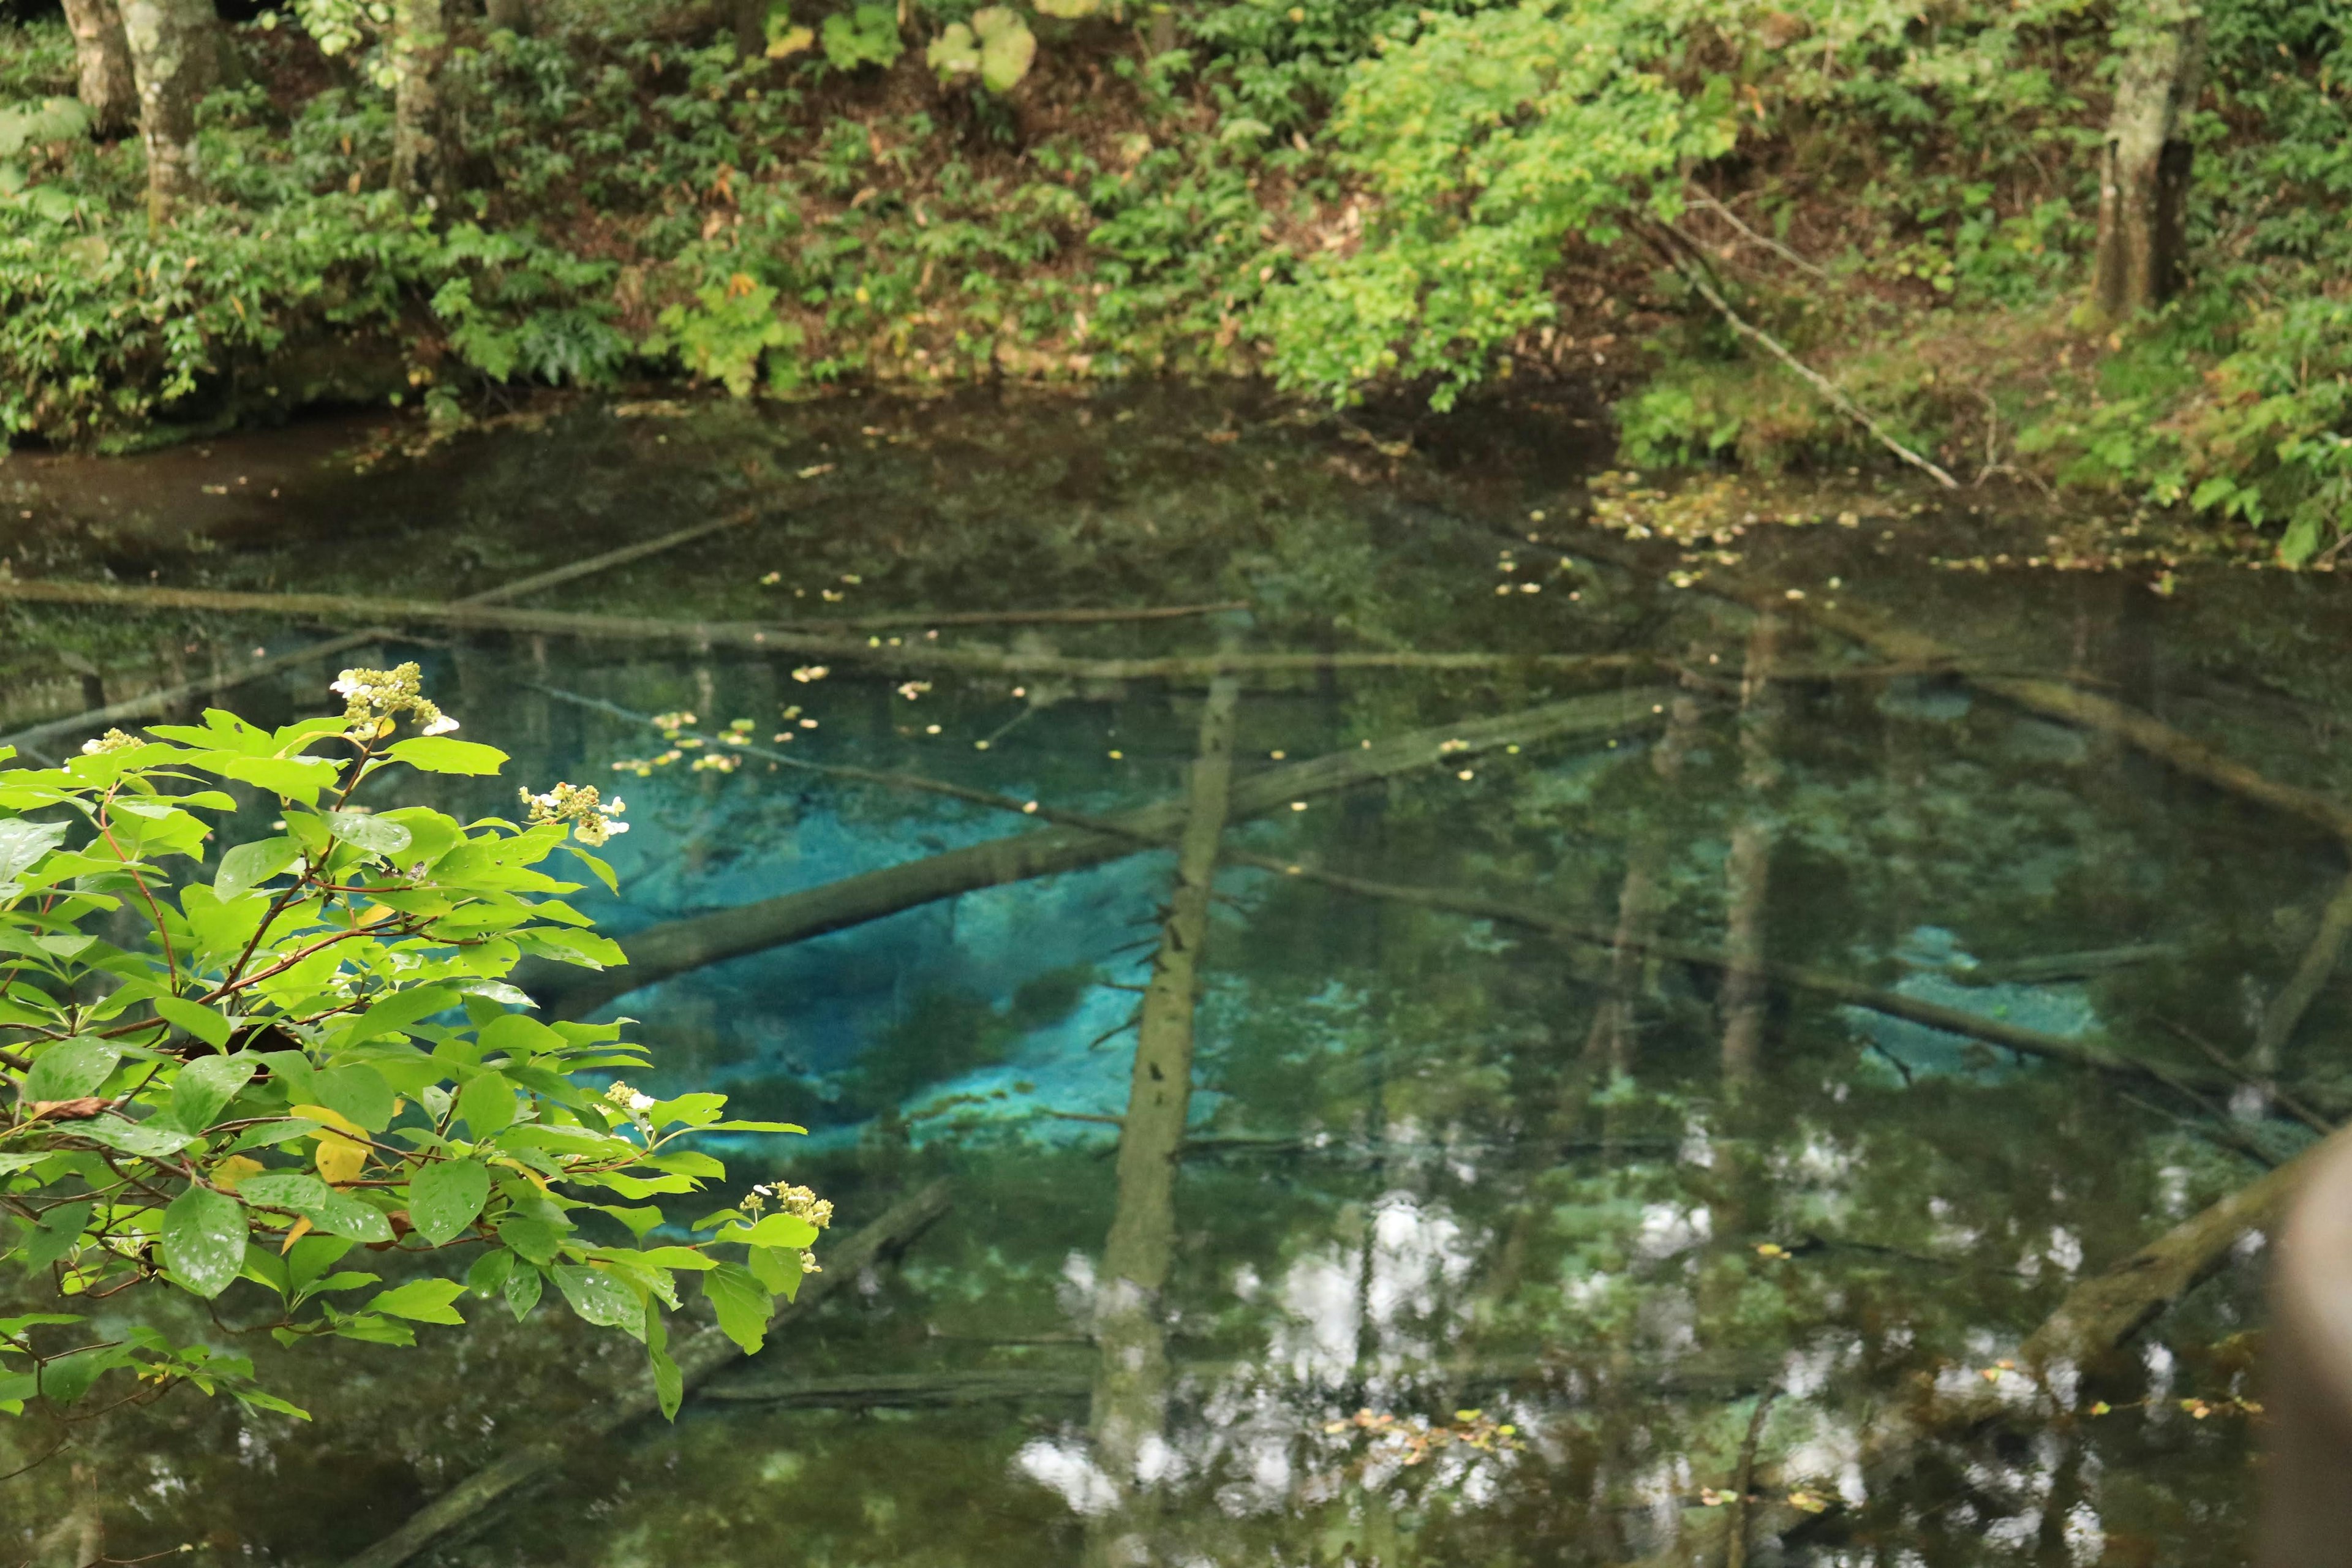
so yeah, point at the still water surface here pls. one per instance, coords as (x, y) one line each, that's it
(1489, 1243)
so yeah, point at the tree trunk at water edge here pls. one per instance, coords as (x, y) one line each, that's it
(102, 59)
(420, 42)
(177, 54)
(2145, 160)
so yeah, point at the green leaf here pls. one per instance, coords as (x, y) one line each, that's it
(779, 1269)
(742, 1303)
(152, 1139)
(533, 1240)
(204, 1240)
(367, 831)
(523, 1291)
(488, 1104)
(356, 1090)
(21, 844)
(669, 1385)
(72, 1069)
(213, 1029)
(446, 1198)
(294, 778)
(206, 1084)
(337, 1214)
(775, 1230)
(376, 1331)
(440, 754)
(598, 1297)
(248, 866)
(491, 1272)
(397, 1011)
(57, 1234)
(422, 1301)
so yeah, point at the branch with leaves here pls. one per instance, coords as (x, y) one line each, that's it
(312, 1045)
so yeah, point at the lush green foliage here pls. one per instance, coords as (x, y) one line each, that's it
(233, 1057)
(1349, 196)
(1481, 147)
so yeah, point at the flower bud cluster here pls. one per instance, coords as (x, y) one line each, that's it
(590, 814)
(375, 699)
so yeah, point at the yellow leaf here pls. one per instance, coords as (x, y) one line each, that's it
(335, 1118)
(790, 42)
(339, 1160)
(294, 1233)
(234, 1170)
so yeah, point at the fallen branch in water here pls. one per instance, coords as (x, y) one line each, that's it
(673, 947)
(151, 704)
(1012, 617)
(699, 1355)
(1787, 977)
(801, 639)
(2055, 700)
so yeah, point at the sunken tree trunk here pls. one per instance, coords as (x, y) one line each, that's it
(177, 56)
(420, 41)
(2145, 161)
(103, 59)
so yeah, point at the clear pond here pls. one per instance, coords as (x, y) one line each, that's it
(1491, 1235)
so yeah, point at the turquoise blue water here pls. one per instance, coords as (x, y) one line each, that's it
(1445, 1173)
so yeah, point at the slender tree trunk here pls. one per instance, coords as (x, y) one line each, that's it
(1131, 1393)
(177, 51)
(2145, 161)
(1747, 871)
(420, 42)
(107, 89)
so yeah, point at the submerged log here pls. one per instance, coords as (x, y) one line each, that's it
(809, 640)
(150, 704)
(1788, 976)
(661, 951)
(699, 1355)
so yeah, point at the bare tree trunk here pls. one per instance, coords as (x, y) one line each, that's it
(177, 54)
(1130, 1392)
(2145, 162)
(420, 42)
(107, 89)
(1748, 868)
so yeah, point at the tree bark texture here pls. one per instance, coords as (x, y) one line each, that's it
(107, 89)
(2145, 161)
(177, 51)
(420, 42)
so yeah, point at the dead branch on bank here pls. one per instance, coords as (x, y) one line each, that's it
(1674, 247)
(699, 1355)
(673, 947)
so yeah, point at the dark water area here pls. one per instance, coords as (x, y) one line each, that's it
(1489, 1243)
